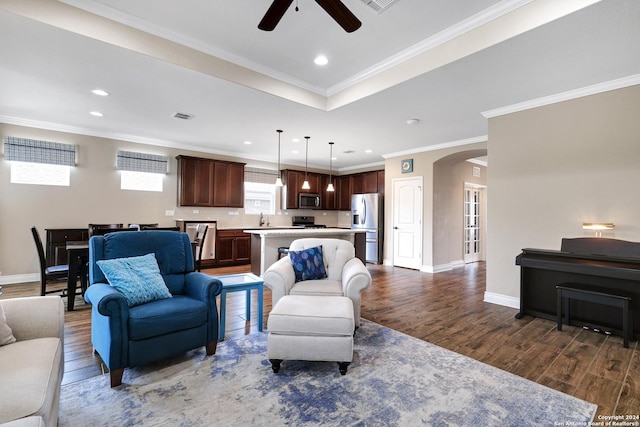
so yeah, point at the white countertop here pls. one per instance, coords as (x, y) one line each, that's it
(302, 231)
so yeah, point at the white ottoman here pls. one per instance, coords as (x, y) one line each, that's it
(316, 328)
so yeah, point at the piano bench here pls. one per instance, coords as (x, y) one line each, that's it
(569, 291)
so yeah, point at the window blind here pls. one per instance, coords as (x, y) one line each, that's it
(261, 176)
(141, 162)
(35, 151)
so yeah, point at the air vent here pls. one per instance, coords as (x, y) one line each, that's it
(348, 152)
(183, 116)
(379, 5)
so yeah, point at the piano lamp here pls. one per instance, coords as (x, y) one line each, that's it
(598, 227)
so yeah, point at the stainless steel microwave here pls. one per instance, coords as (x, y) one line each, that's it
(308, 201)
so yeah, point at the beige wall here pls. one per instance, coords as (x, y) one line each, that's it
(439, 177)
(553, 168)
(94, 196)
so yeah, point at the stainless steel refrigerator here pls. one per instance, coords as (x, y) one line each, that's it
(367, 213)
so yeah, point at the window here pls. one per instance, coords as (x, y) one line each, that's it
(141, 181)
(259, 191)
(140, 171)
(39, 162)
(40, 174)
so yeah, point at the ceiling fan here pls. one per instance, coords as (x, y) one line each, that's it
(335, 8)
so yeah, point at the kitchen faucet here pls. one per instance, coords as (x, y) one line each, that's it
(261, 220)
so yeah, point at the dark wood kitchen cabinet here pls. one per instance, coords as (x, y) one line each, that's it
(210, 183)
(373, 182)
(343, 190)
(233, 247)
(195, 181)
(228, 185)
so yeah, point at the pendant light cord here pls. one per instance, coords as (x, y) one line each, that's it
(306, 158)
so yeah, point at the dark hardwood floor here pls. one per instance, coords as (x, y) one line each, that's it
(445, 309)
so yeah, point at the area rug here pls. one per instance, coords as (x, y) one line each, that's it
(394, 380)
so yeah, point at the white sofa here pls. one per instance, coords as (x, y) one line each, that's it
(347, 276)
(31, 368)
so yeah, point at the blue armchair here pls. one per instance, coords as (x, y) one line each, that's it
(128, 336)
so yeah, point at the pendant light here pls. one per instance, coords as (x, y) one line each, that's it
(279, 179)
(330, 186)
(305, 184)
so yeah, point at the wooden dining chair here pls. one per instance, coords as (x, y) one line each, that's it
(201, 235)
(97, 229)
(51, 273)
(144, 226)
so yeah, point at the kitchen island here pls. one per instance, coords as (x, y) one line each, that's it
(266, 241)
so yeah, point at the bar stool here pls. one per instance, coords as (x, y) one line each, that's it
(282, 251)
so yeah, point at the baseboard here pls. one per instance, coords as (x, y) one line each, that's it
(442, 267)
(19, 278)
(500, 299)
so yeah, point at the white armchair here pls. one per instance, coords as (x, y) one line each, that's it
(346, 275)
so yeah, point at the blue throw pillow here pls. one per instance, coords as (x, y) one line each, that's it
(308, 264)
(138, 278)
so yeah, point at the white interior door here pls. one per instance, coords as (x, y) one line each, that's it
(473, 220)
(407, 222)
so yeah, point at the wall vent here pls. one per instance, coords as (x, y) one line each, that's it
(183, 116)
(379, 5)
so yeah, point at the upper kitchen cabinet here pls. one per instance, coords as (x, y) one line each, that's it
(195, 181)
(380, 175)
(228, 185)
(343, 196)
(210, 183)
(373, 182)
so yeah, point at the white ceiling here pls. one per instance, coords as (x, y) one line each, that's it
(440, 61)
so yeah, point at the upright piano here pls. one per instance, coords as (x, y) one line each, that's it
(610, 265)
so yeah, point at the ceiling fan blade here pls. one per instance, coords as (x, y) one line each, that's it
(274, 14)
(339, 12)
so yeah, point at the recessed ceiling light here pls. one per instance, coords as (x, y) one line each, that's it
(295, 151)
(100, 92)
(413, 121)
(321, 60)
(368, 151)
(247, 143)
(295, 140)
(96, 114)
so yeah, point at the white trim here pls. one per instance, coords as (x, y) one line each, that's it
(505, 300)
(468, 141)
(565, 96)
(442, 267)
(478, 162)
(20, 278)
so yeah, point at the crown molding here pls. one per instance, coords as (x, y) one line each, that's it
(471, 23)
(565, 96)
(458, 143)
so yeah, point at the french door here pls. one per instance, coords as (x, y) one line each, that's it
(473, 232)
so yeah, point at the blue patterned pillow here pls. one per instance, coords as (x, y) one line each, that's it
(138, 278)
(308, 264)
